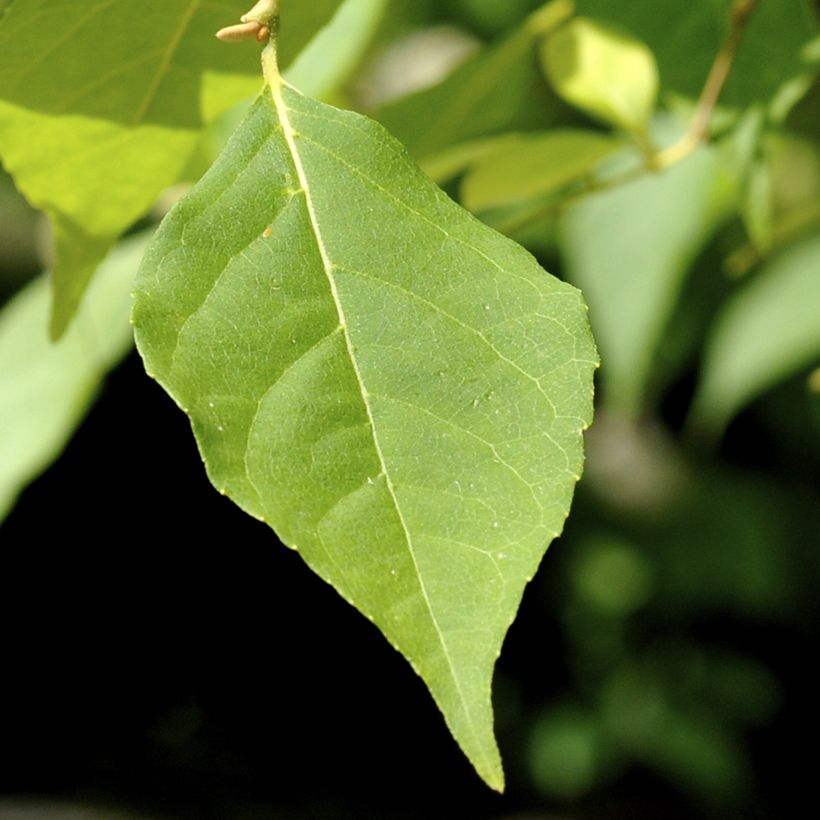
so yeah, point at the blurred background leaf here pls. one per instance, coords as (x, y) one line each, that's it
(46, 388)
(629, 250)
(767, 331)
(610, 75)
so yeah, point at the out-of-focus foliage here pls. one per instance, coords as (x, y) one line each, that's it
(603, 72)
(764, 333)
(45, 387)
(629, 249)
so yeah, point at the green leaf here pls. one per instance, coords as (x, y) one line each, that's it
(608, 74)
(530, 165)
(396, 389)
(46, 388)
(299, 23)
(337, 49)
(629, 249)
(498, 90)
(444, 165)
(767, 332)
(102, 104)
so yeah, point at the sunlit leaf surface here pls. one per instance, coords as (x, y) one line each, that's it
(124, 89)
(396, 389)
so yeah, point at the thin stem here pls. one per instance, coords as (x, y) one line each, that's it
(699, 127)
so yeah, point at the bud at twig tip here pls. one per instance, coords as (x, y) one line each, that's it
(240, 32)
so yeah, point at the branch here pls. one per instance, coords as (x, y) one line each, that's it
(698, 130)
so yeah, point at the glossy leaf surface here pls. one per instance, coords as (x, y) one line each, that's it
(396, 389)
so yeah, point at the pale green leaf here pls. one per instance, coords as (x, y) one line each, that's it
(396, 389)
(530, 165)
(605, 72)
(333, 54)
(299, 23)
(629, 249)
(498, 90)
(102, 104)
(45, 387)
(767, 332)
(451, 162)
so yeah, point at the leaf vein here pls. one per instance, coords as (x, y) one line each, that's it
(279, 103)
(225, 270)
(162, 68)
(389, 195)
(455, 320)
(65, 37)
(470, 433)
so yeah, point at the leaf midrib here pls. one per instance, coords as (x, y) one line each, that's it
(329, 266)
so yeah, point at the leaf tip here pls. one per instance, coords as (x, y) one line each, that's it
(57, 326)
(496, 781)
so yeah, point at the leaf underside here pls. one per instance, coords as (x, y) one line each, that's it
(396, 389)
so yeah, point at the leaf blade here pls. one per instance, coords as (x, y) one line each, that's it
(529, 165)
(429, 425)
(606, 73)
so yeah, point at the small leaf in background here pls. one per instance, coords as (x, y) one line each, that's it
(396, 389)
(46, 388)
(498, 90)
(767, 332)
(529, 165)
(757, 206)
(125, 93)
(604, 72)
(683, 741)
(629, 250)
